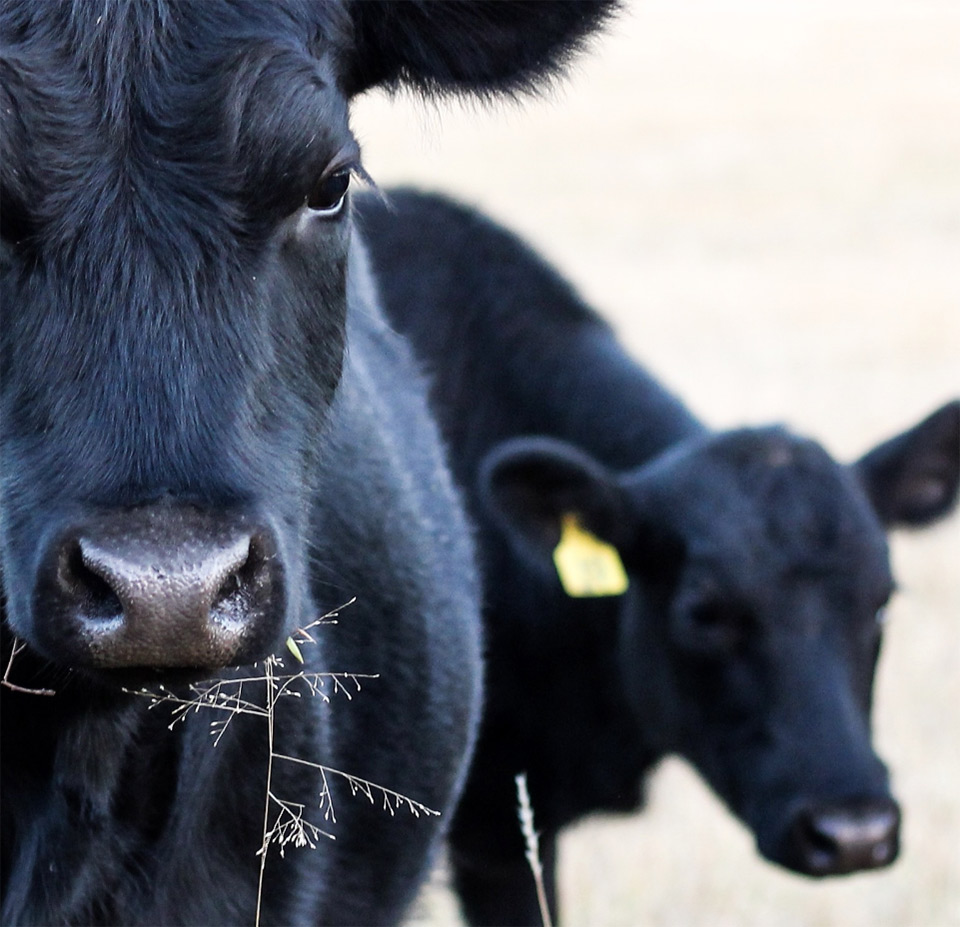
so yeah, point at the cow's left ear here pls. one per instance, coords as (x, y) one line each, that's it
(467, 46)
(914, 478)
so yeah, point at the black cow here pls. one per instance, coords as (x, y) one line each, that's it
(194, 464)
(758, 572)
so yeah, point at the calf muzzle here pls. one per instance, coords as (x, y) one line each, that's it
(160, 587)
(835, 839)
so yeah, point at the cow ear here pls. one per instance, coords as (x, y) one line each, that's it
(467, 46)
(531, 485)
(913, 478)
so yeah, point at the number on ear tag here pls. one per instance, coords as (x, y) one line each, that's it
(587, 566)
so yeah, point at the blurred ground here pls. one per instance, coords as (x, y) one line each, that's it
(767, 205)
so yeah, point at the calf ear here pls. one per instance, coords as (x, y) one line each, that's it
(528, 485)
(913, 479)
(467, 46)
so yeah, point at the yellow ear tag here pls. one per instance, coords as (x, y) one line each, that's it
(587, 566)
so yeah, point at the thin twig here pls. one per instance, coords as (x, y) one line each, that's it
(532, 840)
(18, 646)
(266, 804)
(366, 787)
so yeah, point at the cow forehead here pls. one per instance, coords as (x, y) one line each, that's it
(114, 55)
(85, 30)
(763, 508)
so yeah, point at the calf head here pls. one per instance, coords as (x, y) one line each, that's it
(175, 274)
(749, 635)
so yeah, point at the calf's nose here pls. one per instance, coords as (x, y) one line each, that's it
(161, 587)
(834, 839)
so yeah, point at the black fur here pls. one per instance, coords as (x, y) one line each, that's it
(748, 639)
(179, 330)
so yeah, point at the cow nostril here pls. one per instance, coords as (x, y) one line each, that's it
(819, 847)
(244, 585)
(95, 597)
(833, 840)
(229, 588)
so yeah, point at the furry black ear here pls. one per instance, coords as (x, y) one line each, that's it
(914, 478)
(481, 47)
(528, 485)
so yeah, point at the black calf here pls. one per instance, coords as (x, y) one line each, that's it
(192, 466)
(758, 572)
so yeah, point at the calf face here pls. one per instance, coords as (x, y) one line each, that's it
(749, 635)
(175, 280)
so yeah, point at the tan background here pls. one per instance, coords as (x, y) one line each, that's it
(767, 205)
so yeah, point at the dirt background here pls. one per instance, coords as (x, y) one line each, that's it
(767, 205)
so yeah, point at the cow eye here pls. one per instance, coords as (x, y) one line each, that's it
(328, 195)
(709, 626)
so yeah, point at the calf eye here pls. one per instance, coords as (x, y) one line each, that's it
(709, 626)
(327, 197)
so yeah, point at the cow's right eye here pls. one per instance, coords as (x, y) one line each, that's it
(328, 195)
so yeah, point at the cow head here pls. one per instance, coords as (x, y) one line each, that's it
(749, 635)
(175, 273)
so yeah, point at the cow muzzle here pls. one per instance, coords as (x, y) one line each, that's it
(160, 587)
(843, 837)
